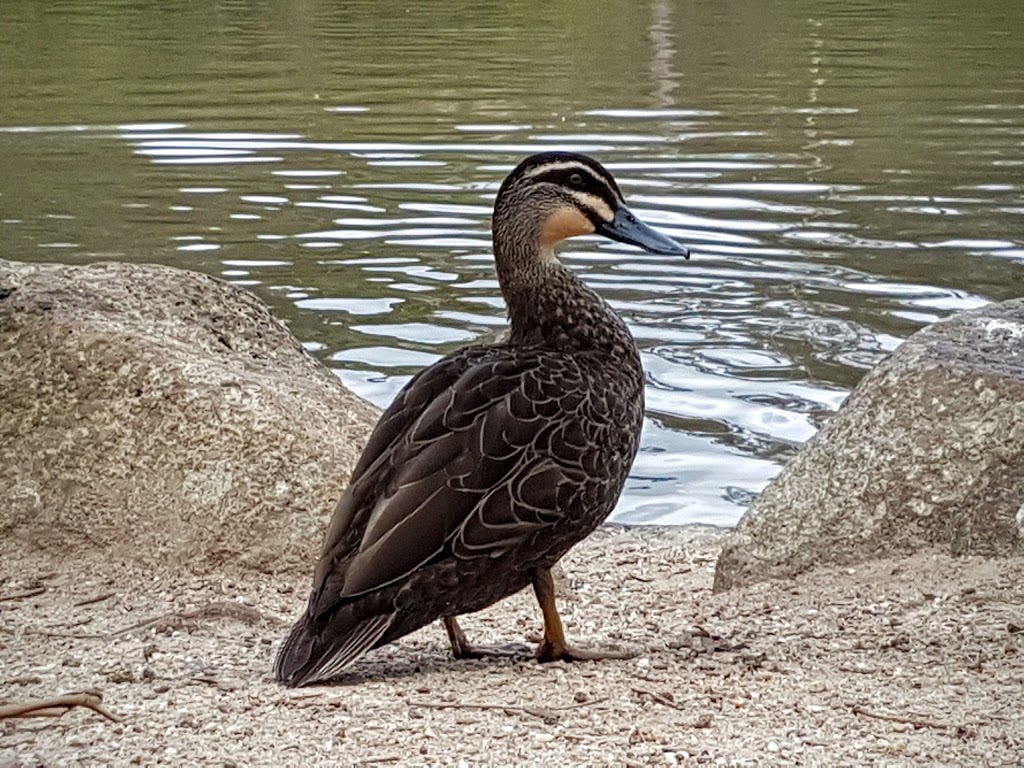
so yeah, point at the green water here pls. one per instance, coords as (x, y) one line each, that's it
(846, 172)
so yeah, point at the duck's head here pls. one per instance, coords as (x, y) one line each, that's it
(553, 196)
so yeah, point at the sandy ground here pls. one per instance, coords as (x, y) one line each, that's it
(912, 661)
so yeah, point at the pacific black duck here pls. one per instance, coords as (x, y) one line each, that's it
(493, 462)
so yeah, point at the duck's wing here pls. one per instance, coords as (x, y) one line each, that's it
(473, 457)
(476, 454)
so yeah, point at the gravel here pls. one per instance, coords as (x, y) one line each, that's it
(916, 660)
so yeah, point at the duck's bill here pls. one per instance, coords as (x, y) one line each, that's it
(627, 228)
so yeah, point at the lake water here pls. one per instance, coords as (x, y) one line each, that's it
(845, 172)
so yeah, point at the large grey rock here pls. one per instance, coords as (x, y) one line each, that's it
(927, 452)
(152, 415)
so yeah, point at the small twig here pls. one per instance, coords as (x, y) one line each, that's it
(378, 759)
(63, 632)
(638, 577)
(301, 695)
(212, 611)
(57, 706)
(580, 704)
(22, 595)
(27, 680)
(914, 721)
(96, 599)
(544, 713)
(70, 635)
(468, 705)
(658, 698)
(221, 610)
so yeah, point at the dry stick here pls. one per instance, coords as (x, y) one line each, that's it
(917, 722)
(97, 599)
(638, 577)
(658, 698)
(544, 713)
(69, 635)
(58, 706)
(51, 632)
(22, 595)
(220, 610)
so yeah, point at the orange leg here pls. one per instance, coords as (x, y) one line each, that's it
(554, 647)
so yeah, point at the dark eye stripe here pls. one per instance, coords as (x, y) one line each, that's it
(559, 173)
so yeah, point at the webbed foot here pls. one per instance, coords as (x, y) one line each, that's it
(463, 649)
(553, 646)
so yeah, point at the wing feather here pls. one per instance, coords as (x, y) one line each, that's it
(445, 475)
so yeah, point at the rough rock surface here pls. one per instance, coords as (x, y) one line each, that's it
(916, 661)
(927, 451)
(149, 414)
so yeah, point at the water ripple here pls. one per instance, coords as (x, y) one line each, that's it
(344, 167)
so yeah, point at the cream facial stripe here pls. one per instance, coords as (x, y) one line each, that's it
(565, 165)
(595, 204)
(559, 165)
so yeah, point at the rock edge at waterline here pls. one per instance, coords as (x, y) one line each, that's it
(928, 451)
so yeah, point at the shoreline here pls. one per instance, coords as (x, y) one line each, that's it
(911, 660)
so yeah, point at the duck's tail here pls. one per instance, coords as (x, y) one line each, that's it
(316, 651)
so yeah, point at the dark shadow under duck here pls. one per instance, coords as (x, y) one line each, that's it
(493, 462)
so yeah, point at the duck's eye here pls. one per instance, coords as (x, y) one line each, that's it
(576, 180)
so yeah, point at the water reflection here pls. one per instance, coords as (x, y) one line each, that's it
(845, 174)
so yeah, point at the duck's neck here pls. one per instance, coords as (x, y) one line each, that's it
(550, 306)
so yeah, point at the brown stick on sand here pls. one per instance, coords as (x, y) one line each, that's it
(57, 706)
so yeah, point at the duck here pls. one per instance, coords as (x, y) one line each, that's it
(491, 463)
